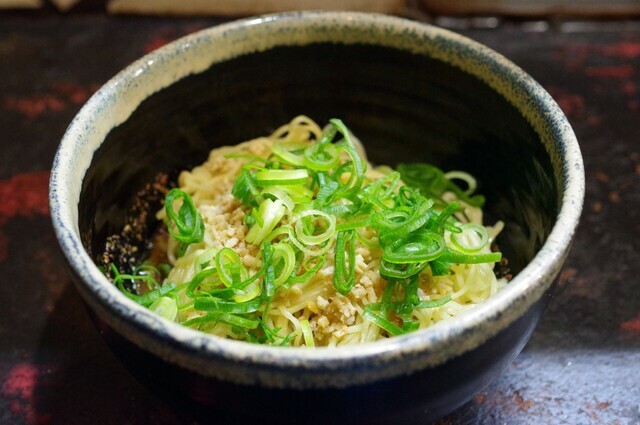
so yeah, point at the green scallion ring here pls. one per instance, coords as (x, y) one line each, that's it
(473, 238)
(314, 239)
(291, 153)
(414, 248)
(281, 177)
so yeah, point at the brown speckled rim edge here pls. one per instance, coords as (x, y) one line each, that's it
(320, 368)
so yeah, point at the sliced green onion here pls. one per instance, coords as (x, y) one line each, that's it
(283, 252)
(310, 250)
(469, 180)
(410, 326)
(434, 303)
(385, 324)
(321, 157)
(389, 219)
(415, 248)
(307, 334)
(155, 275)
(281, 195)
(326, 191)
(250, 157)
(298, 193)
(440, 268)
(228, 318)
(400, 271)
(206, 259)
(305, 277)
(359, 166)
(419, 216)
(281, 177)
(328, 134)
(411, 292)
(165, 307)
(347, 204)
(371, 242)
(291, 153)
(222, 293)
(147, 299)
(186, 225)
(314, 239)
(430, 180)
(211, 304)
(245, 188)
(344, 274)
(438, 224)
(279, 231)
(270, 213)
(198, 280)
(473, 238)
(452, 256)
(382, 190)
(408, 197)
(354, 224)
(251, 291)
(269, 279)
(230, 267)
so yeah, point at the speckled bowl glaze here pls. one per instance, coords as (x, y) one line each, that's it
(411, 92)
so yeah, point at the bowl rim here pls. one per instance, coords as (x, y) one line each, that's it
(433, 345)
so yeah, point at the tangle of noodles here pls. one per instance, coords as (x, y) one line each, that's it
(334, 319)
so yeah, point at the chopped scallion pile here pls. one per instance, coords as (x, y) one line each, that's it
(307, 203)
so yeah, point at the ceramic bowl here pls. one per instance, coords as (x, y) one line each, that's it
(412, 93)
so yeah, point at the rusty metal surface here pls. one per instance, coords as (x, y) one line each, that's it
(581, 367)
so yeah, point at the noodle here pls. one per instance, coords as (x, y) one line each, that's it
(336, 319)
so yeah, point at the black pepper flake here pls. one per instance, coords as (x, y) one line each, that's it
(502, 269)
(127, 248)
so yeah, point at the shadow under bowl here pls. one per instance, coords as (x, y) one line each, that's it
(411, 93)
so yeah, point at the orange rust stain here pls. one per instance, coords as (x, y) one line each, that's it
(74, 92)
(632, 325)
(614, 197)
(571, 104)
(59, 95)
(623, 49)
(156, 43)
(23, 195)
(480, 398)
(568, 274)
(523, 404)
(34, 105)
(621, 71)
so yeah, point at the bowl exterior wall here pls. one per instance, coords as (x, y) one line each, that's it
(417, 398)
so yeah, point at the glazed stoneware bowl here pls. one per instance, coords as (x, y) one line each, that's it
(412, 93)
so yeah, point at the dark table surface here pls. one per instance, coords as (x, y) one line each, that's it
(582, 366)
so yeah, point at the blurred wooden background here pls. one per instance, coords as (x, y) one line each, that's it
(516, 8)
